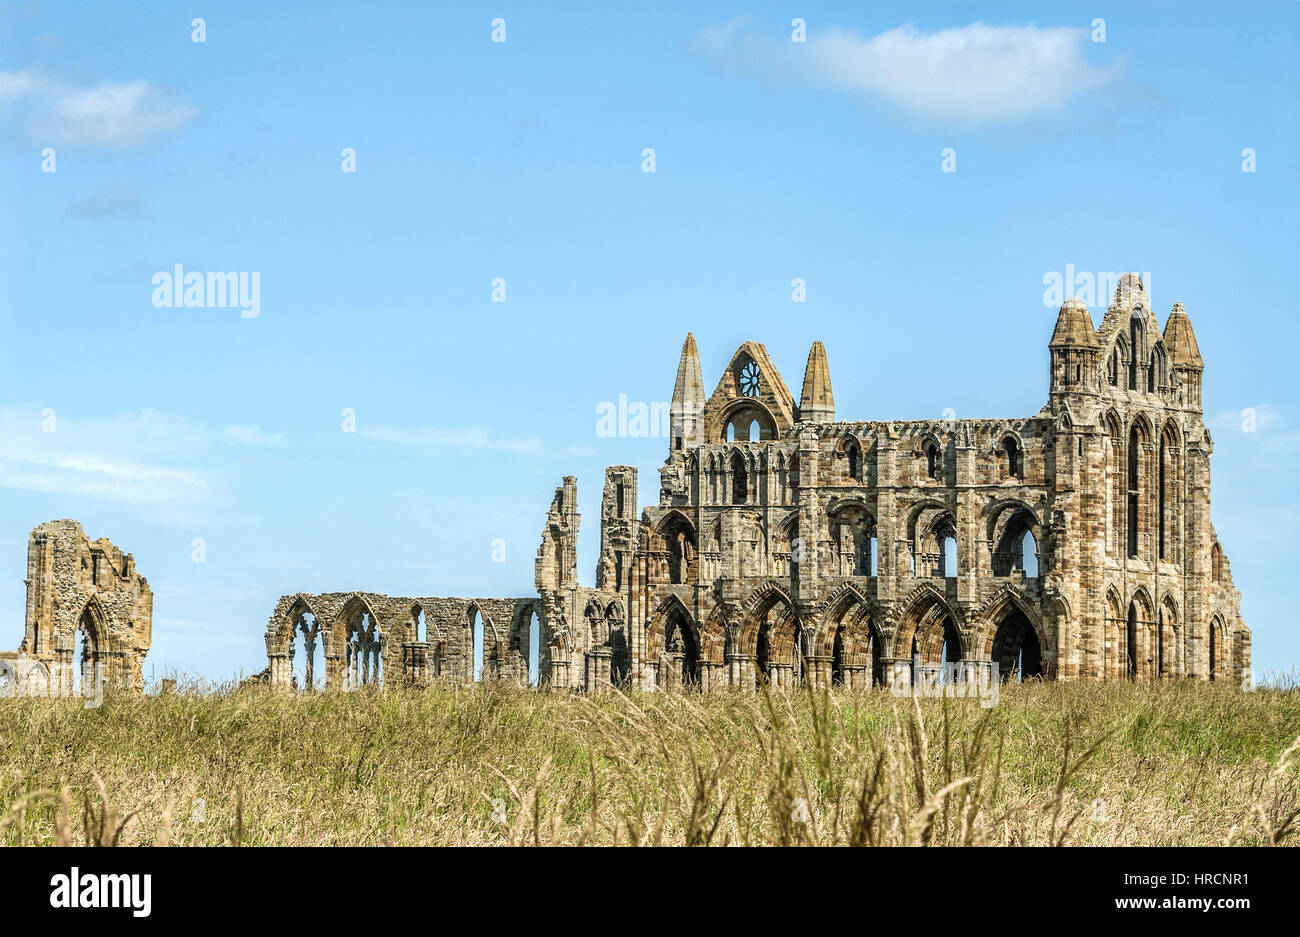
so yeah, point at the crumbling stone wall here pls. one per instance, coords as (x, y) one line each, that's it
(370, 638)
(76, 586)
(789, 547)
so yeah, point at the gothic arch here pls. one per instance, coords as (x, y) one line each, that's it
(1143, 598)
(713, 638)
(1012, 635)
(362, 658)
(1138, 477)
(673, 643)
(409, 628)
(655, 631)
(675, 519)
(94, 623)
(739, 414)
(595, 618)
(1218, 654)
(1158, 378)
(934, 456)
(355, 604)
(1010, 452)
(519, 640)
(493, 648)
(1169, 486)
(848, 635)
(713, 536)
(1142, 423)
(1006, 522)
(852, 531)
(843, 599)
(1168, 636)
(740, 471)
(675, 537)
(1139, 635)
(1113, 637)
(931, 543)
(96, 642)
(1117, 361)
(285, 623)
(930, 622)
(293, 630)
(837, 504)
(788, 526)
(850, 448)
(783, 544)
(758, 607)
(1116, 484)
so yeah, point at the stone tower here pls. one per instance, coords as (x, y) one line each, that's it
(817, 403)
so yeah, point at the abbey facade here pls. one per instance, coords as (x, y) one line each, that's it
(790, 546)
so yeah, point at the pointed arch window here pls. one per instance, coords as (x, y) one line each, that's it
(739, 480)
(855, 461)
(1162, 486)
(1014, 458)
(932, 463)
(1135, 339)
(1134, 463)
(1130, 643)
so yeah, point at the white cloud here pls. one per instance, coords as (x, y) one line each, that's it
(14, 85)
(129, 458)
(964, 76)
(111, 114)
(250, 436)
(473, 437)
(1264, 417)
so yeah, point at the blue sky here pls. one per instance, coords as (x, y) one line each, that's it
(522, 160)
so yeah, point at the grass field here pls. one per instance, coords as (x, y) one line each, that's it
(1073, 764)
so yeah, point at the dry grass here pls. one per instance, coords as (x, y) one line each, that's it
(1072, 764)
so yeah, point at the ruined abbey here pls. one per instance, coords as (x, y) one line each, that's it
(788, 546)
(89, 615)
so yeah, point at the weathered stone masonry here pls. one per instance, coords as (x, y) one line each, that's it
(87, 592)
(1073, 543)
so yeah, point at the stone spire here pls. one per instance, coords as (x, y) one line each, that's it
(1180, 341)
(1184, 357)
(687, 408)
(816, 403)
(1074, 326)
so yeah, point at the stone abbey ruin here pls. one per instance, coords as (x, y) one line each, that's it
(788, 546)
(791, 547)
(89, 614)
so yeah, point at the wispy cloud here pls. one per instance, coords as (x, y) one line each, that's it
(250, 436)
(109, 115)
(966, 76)
(473, 437)
(1260, 417)
(131, 458)
(120, 202)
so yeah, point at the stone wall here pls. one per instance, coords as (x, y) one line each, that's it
(88, 590)
(368, 638)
